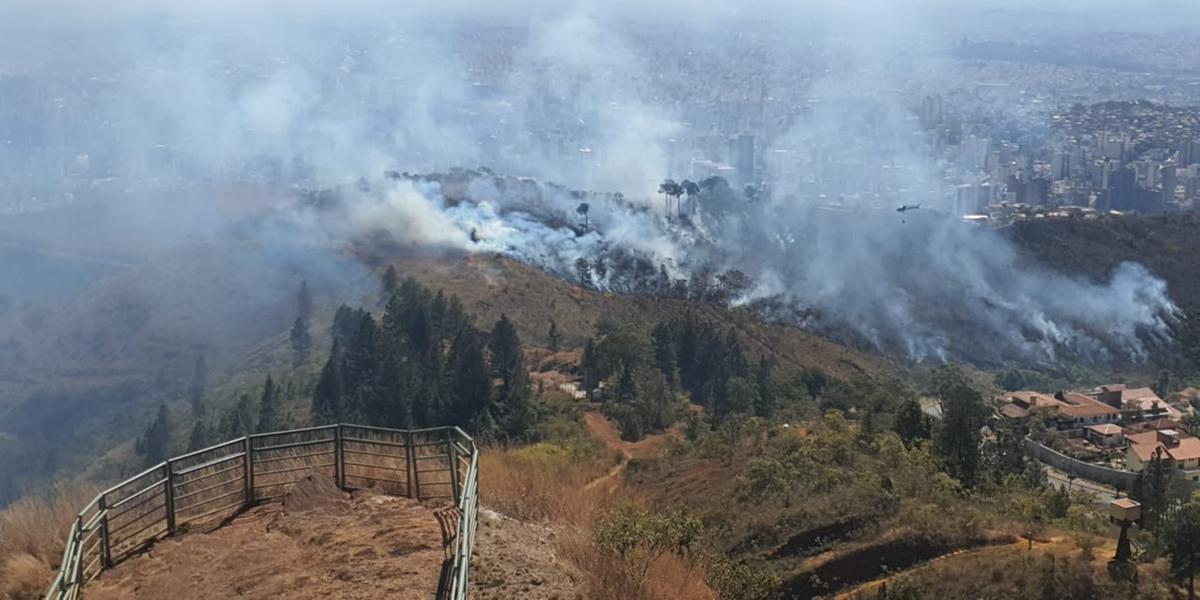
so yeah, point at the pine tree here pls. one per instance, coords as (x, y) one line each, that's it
(506, 349)
(240, 421)
(957, 439)
(361, 372)
(153, 443)
(397, 391)
(1182, 541)
(200, 436)
(198, 386)
(1152, 489)
(471, 386)
(554, 336)
(268, 409)
(345, 324)
(328, 396)
(390, 280)
(513, 405)
(301, 342)
(1163, 386)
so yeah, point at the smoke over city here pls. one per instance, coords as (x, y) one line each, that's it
(179, 97)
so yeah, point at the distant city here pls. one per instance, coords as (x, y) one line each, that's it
(994, 129)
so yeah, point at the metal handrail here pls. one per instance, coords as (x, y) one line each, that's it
(82, 562)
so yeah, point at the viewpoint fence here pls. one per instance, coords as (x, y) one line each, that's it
(213, 484)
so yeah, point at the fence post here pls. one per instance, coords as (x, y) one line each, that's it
(105, 544)
(248, 456)
(339, 458)
(414, 480)
(170, 497)
(452, 463)
(78, 555)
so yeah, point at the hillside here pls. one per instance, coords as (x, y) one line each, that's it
(492, 285)
(1167, 245)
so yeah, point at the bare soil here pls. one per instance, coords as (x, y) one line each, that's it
(354, 546)
(515, 559)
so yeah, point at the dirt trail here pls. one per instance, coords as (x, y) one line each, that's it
(605, 431)
(870, 588)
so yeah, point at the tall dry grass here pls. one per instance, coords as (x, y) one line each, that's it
(549, 483)
(33, 532)
(543, 482)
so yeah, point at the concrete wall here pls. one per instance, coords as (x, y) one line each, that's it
(1111, 477)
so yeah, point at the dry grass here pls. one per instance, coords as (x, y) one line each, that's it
(543, 482)
(609, 577)
(24, 577)
(548, 483)
(33, 532)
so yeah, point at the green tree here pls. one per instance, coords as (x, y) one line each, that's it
(508, 364)
(240, 421)
(361, 371)
(814, 381)
(153, 443)
(268, 409)
(200, 436)
(1182, 541)
(327, 396)
(1152, 488)
(471, 387)
(1163, 387)
(911, 423)
(390, 281)
(505, 346)
(957, 437)
(301, 341)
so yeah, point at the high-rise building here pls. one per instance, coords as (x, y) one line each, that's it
(1169, 182)
(741, 155)
(931, 111)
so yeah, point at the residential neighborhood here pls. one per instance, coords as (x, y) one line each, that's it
(1112, 426)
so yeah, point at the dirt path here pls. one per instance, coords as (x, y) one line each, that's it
(367, 546)
(605, 431)
(870, 588)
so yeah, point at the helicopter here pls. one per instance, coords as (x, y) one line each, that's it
(908, 207)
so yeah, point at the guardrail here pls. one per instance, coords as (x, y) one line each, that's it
(213, 484)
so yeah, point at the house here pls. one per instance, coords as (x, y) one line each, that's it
(1181, 450)
(1071, 411)
(1110, 394)
(1107, 435)
(1136, 404)
(1079, 411)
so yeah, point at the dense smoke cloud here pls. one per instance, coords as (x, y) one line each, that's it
(285, 95)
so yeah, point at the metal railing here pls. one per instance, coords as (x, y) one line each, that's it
(211, 485)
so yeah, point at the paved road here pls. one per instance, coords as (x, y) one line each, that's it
(1058, 479)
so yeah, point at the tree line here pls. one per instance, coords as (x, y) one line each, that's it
(423, 363)
(647, 379)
